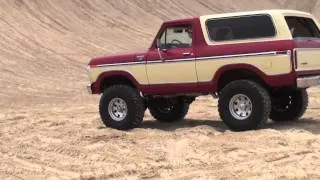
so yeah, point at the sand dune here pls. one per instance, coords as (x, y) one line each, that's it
(49, 125)
(45, 45)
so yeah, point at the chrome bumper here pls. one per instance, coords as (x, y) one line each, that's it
(89, 89)
(306, 82)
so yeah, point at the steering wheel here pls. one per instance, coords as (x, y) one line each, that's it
(175, 42)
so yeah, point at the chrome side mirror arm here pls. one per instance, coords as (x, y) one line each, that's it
(160, 50)
(160, 55)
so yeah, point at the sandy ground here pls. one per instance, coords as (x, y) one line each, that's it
(68, 141)
(50, 127)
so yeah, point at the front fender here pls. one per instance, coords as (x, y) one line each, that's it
(96, 86)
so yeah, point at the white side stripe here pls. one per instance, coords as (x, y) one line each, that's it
(119, 64)
(238, 55)
(193, 59)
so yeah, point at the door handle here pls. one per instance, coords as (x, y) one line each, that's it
(187, 54)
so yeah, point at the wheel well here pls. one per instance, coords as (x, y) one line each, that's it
(113, 80)
(238, 74)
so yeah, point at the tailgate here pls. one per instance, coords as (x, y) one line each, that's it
(307, 59)
(307, 54)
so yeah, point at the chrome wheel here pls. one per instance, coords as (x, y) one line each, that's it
(240, 106)
(117, 109)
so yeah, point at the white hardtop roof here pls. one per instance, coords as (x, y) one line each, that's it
(284, 12)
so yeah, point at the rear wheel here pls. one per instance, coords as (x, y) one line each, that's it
(121, 107)
(244, 105)
(168, 110)
(289, 105)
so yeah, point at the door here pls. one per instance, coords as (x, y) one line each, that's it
(174, 61)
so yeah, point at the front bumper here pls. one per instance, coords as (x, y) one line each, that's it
(305, 82)
(89, 88)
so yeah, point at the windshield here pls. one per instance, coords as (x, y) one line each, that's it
(302, 27)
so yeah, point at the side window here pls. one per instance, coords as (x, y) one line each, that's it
(240, 28)
(176, 37)
(302, 27)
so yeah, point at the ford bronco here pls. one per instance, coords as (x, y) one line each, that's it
(259, 64)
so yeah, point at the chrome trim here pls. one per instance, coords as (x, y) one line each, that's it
(159, 52)
(89, 89)
(187, 54)
(289, 52)
(140, 58)
(184, 59)
(152, 62)
(171, 60)
(117, 109)
(306, 69)
(240, 107)
(193, 59)
(238, 55)
(119, 64)
(295, 60)
(305, 82)
(88, 68)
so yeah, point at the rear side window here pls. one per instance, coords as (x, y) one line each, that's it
(302, 27)
(240, 28)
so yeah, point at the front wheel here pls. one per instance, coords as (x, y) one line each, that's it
(244, 105)
(168, 110)
(121, 107)
(289, 105)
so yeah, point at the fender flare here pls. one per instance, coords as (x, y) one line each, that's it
(104, 75)
(241, 66)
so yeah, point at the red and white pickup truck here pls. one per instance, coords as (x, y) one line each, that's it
(259, 64)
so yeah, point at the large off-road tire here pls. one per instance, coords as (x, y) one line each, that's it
(121, 107)
(244, 105)
(289, 105)
(168, 110)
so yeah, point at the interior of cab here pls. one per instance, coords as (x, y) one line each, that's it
(176, 37)
(221, 33)
(301, 27)
(240, 28)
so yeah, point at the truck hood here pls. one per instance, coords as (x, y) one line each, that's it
(115, 59)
